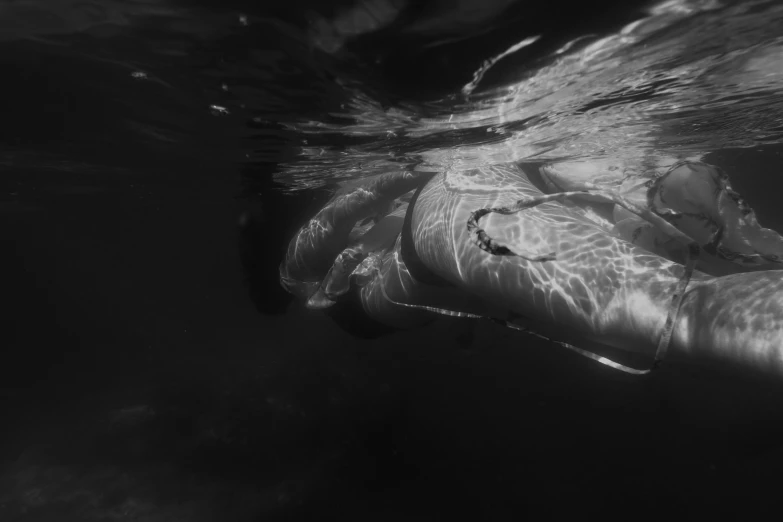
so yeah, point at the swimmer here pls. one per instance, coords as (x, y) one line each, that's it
(487, 242)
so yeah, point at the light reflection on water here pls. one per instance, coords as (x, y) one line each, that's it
(689, 79)
(692, 78)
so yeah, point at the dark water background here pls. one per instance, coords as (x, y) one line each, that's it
(153, 369)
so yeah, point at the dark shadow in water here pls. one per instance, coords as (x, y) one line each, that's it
(138, 379)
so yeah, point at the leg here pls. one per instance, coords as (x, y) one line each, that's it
(599, 284)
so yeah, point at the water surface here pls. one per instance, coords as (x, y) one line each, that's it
(155, 369)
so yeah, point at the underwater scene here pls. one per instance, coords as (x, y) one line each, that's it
(391, 260)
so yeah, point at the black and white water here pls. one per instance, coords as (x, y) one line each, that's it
(153, 369)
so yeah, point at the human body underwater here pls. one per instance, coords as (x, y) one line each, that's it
(462, 246)
(669, 262)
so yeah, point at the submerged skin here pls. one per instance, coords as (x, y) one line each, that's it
(313, 249)
(599, 284)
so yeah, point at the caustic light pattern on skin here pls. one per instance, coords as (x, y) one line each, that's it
(664, 260)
